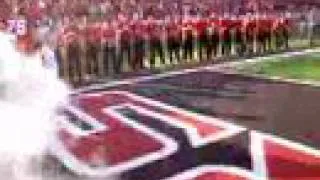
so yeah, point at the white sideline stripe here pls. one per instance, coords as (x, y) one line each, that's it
(202, 170)
(184, 71)
(82, 168)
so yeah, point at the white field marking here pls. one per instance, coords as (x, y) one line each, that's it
(273, 77)
(297, 53)
(179, 72)
(258, 156)
(257, 142)
(202, 170)
(92, 95)
(252, 60)
(191, 131)
(196, 140)
(307, 82)
(77, 131)
(82, 168)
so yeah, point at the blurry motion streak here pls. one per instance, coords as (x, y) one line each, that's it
(29, 96)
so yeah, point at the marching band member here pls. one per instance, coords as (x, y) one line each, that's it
(125, 35)
(201, 34)
(174, 38)
(141, 39)
(73, 54)
(156, 46)
(188, 38)
(212, 33)
(138, 46)
(110, 48)
(92, 47)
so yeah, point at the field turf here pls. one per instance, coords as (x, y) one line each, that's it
(305, 67)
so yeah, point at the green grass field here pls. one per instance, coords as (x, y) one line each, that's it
(305, 67)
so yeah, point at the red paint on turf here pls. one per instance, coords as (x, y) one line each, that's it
(120, 142)
(220, 176)
(286, 163)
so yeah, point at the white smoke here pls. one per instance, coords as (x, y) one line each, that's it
(29, 96)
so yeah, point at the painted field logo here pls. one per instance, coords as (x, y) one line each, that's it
(120, 133)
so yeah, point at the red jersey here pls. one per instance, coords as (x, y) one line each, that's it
(144, 27)
(125, 35)
(173, 30)
(265, 25)
(156, 31)
(91, 34)
(187, 29)
(138, 30)
(201, 26)
(67, 35)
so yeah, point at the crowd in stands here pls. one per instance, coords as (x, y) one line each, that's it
(73, 10)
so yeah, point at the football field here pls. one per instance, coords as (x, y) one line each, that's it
(302, 67)
(195, 124)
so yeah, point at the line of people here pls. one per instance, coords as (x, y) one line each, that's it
(108, 46)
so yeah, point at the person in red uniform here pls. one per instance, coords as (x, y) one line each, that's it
(125, 46)
(244, 35)
(285, 22)
(264, 33)
(282, 32)
(109, 44)
(138, 45)
(225, 27)
(92, 35)
(174, 37)
(278, 32)
(72, 44)
(212, 33)
(200, 28)
(156, 45)
(238, 38)
(250, 33)
(188, 38)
